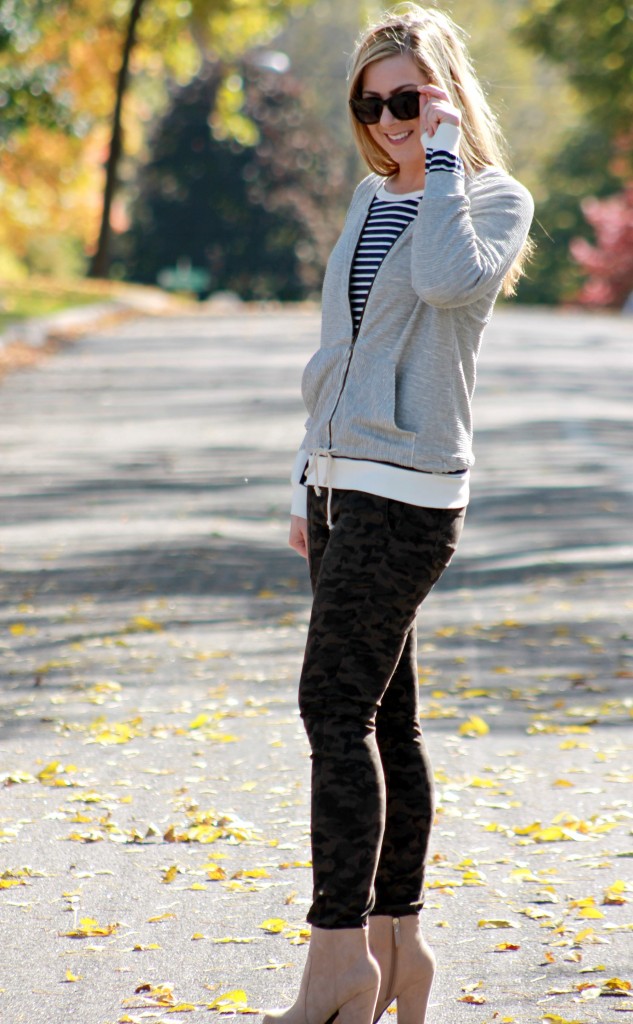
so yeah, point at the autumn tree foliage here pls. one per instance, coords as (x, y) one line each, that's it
(79, 85)
(608, 263)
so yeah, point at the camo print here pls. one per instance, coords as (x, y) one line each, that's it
(372, 790)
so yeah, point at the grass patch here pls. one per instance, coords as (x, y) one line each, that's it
(41, 297)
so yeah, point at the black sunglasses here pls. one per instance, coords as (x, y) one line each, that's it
(405, 106)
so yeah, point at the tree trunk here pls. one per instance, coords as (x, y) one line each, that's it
(100, 265)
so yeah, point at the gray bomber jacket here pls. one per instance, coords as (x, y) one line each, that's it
(401, 390)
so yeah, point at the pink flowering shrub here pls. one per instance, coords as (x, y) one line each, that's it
(609, 262)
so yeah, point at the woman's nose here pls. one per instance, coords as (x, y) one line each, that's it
(387, 118)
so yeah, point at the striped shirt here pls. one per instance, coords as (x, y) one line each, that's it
(388, 216)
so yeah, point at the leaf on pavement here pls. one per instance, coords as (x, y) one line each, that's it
(616, 987)
(615, 894)
(89, 927)
(274, 925)
(474, 727)
(230, 1002)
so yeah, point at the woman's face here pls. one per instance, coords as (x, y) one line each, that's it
(400, 139)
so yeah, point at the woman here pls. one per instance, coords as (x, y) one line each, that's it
(431, 237)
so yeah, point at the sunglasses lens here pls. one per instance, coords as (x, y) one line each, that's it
(405, 105)
(366, 110)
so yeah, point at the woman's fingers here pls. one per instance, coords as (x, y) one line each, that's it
(435, 108)
(433, 90)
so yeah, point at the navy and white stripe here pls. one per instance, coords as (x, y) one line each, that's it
(442, 160)
(385, 223)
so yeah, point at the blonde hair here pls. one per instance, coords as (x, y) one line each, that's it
(437, 45)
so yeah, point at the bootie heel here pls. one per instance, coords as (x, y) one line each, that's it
(407, 967)
(359, 1010)
(340, 981)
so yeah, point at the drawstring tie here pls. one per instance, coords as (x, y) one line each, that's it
(313, 467)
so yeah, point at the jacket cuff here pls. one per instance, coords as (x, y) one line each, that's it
(299, 503)
(447, 138)
(299, 466)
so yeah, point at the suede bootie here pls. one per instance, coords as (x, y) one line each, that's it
(340, 980)
(407, 966)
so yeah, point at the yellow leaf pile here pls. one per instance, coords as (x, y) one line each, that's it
(567, 826)
(209, 826)
(110, 733)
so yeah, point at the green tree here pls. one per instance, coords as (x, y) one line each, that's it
(249, 215)
(226, 26)
(576, 171)
(594, 44)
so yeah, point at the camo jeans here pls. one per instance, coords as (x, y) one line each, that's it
(372, 800)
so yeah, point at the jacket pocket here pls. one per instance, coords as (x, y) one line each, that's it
(369, 407)
(323, 376)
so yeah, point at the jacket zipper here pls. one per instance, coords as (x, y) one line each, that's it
(360, 322)
(357, 331)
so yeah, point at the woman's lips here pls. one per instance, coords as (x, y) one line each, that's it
(397, 138)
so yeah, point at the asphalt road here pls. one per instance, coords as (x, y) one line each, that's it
(153, 768)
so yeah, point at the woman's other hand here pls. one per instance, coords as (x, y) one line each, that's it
(298, 538)
(435, 108)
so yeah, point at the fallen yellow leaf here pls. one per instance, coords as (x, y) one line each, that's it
(473, 727)
(274, 925)
(554, 1018)
(200, 720)
(88, 927)
(616, 987)
(615, 894)
(234, 1000)
(142, 624)
(216, 873)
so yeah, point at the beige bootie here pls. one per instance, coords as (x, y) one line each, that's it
(407, 966)
(340, 978)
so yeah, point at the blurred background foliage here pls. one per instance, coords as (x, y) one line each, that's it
(229, 151)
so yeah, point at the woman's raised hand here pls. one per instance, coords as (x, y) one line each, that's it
(435, 108)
